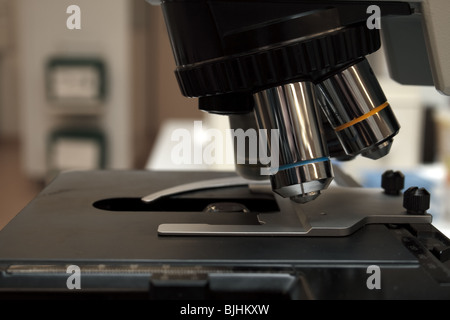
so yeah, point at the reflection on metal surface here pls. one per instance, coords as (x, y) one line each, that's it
(195, 186)
(305, 168)
(357, 109)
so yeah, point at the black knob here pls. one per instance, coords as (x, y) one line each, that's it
(392, 182)
(416, 200)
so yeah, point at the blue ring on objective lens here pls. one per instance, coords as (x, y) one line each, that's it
(302, 163)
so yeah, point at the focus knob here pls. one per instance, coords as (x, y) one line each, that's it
(416, 200)
(392, 182)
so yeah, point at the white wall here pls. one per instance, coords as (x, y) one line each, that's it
(105, 32)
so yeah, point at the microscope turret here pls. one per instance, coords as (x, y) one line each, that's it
(298, 67)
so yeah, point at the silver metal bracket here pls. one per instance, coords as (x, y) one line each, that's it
(339, 211)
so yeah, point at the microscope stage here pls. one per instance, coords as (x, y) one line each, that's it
(95, 220)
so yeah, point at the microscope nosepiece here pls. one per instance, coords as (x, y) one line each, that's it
(268, 60)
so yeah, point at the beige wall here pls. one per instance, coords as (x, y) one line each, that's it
(156, 92)
(130, 36)
(9, 114)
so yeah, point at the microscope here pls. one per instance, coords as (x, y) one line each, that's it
(296, 72)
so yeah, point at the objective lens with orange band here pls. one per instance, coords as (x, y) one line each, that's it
(363, 117)
(345, 99)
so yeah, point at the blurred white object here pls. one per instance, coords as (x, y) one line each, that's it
(199, 135)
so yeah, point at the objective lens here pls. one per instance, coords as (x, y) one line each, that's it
(304, 166)
(358, 111)
(247, 163)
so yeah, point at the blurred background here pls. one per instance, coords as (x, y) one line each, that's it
(105, 97)
(51, 114)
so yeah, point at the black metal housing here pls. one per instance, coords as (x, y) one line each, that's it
(120, 254)
(231, 49)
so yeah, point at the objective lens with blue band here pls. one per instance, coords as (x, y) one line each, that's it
(302, 163)
(303, 167)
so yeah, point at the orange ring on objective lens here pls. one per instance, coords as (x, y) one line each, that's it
(363, 117)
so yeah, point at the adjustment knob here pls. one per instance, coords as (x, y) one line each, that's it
(416, 200)
(392, 182)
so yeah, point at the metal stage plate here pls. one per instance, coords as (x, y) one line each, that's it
(116, 243)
